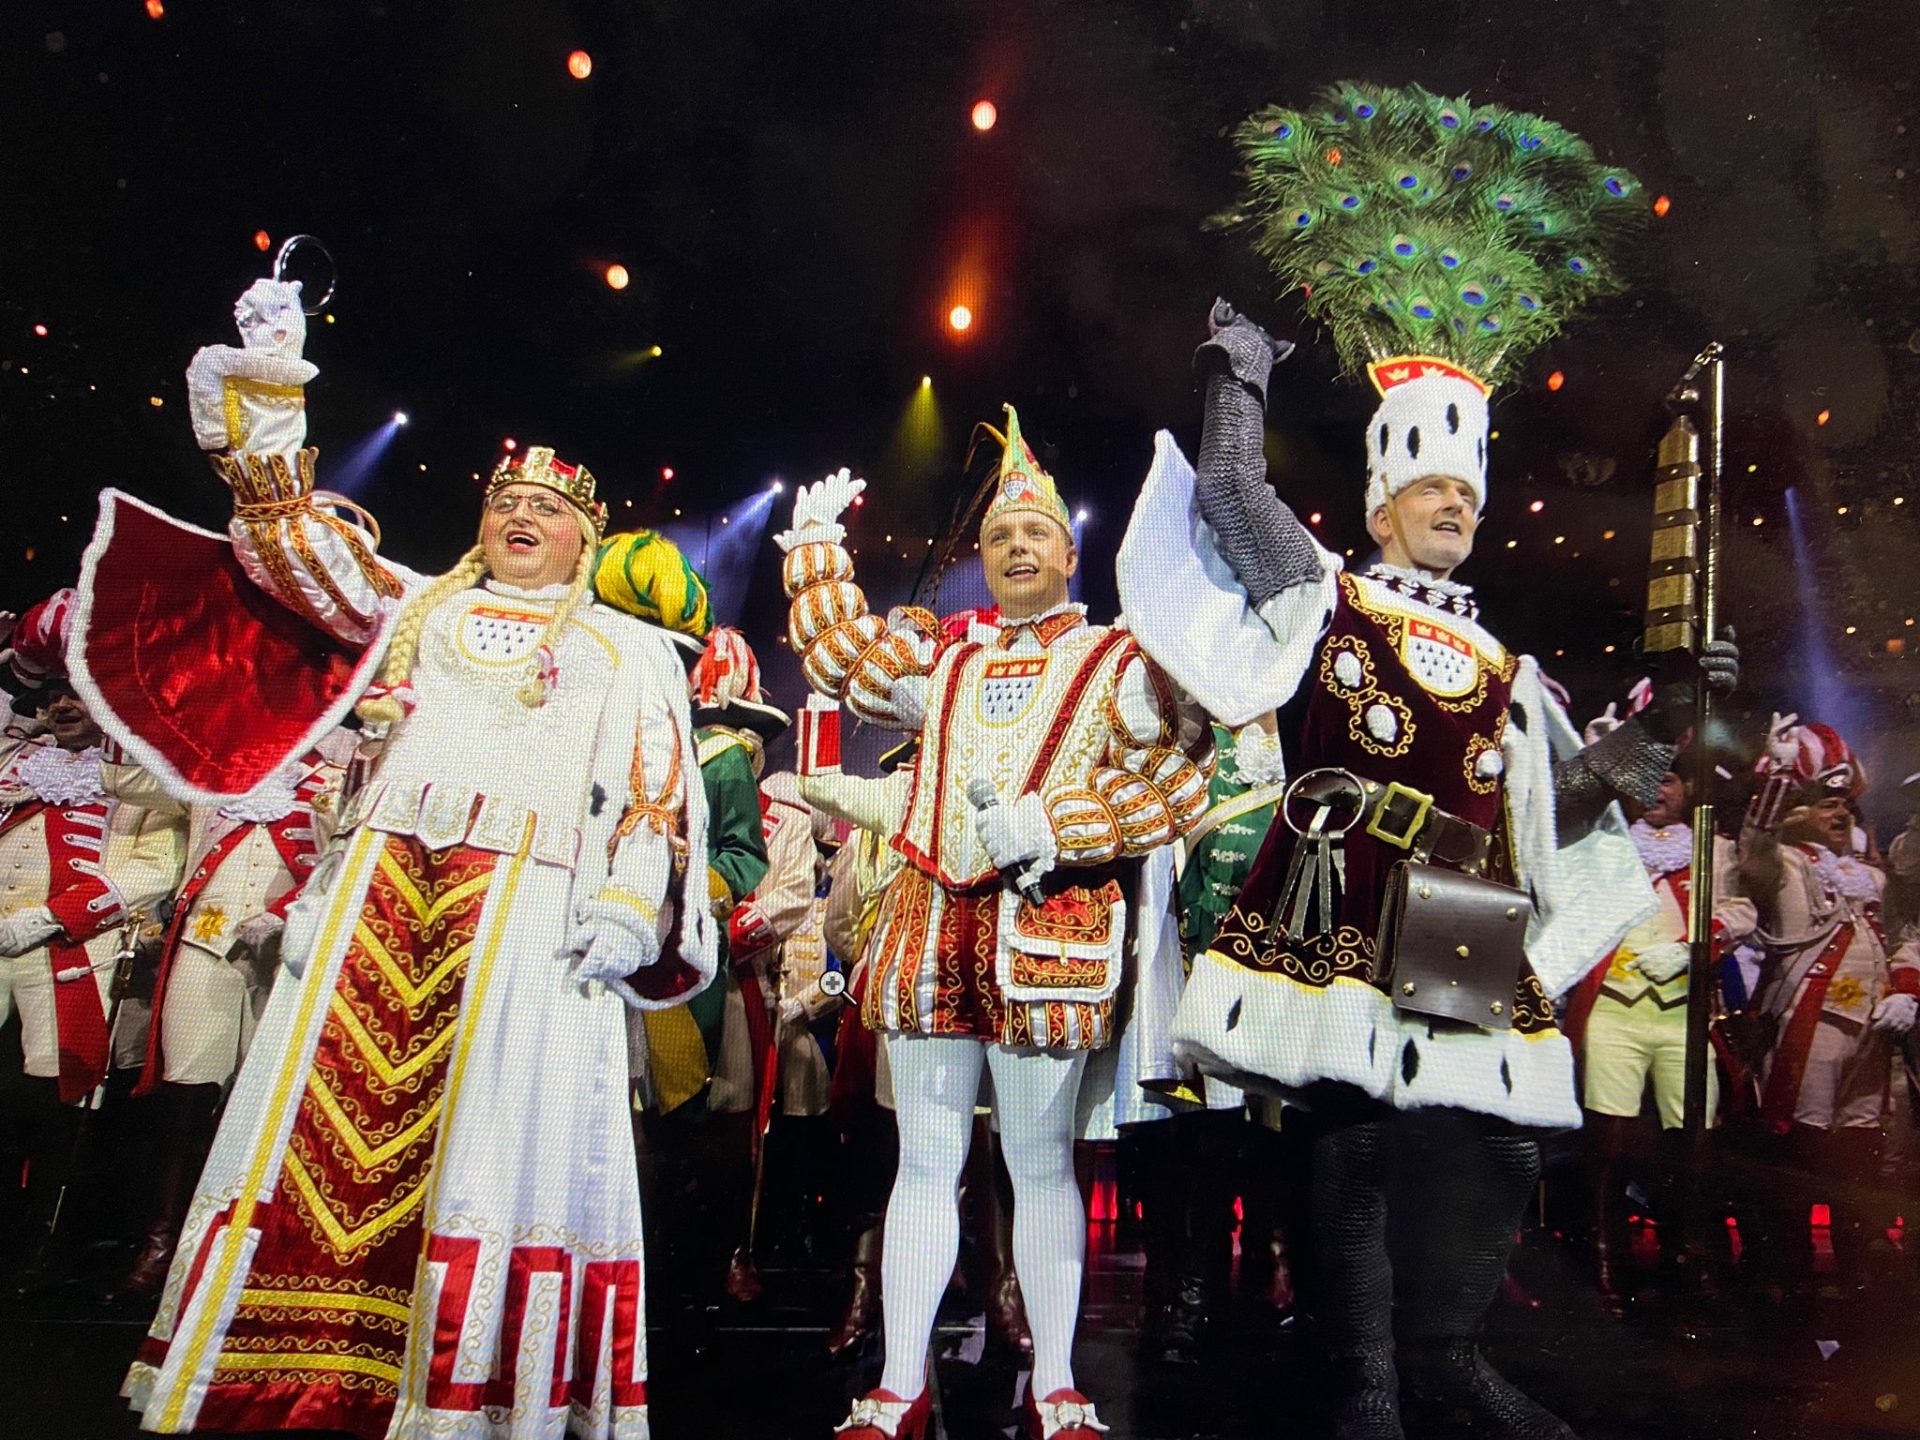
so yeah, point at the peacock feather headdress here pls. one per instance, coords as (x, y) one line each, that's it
(1422, 226)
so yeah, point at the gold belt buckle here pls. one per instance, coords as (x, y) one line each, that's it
(1423, 806)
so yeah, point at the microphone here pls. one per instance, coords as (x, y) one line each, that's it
(981, 792)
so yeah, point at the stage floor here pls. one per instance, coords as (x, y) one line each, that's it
(1791, 1345)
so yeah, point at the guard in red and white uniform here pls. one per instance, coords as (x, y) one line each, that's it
(246, 862)
(1838, 1000)
(76, 868)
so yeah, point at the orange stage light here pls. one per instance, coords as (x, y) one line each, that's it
(1662, 206)
(985, 113)
(155, 10)
(617, 277)
(960, 318)
(1556, 380)
(1823, 417)
(262, 240)
(580, 64)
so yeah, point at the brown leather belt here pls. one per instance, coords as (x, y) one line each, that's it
(1407, 819)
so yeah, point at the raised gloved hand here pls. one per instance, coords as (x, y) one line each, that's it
(817, 509)
(1017, 835)
(1783, 748)
(1895, 1014)
(26, 930)
(1248, 351)
(610, 941)
(1605, 723)
(1661, 963)
(1671, 709)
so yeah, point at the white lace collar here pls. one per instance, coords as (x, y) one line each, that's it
(1664, 849)
(1847, 876)
(61, 777)
(520, 592)
(272, 799)
(1428, 589)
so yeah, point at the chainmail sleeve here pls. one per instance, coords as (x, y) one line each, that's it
(1263, 540)
(1626, 763)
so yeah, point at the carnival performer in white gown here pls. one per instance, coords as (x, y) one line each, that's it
(421, 1215)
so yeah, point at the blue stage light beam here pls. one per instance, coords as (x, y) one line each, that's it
(354, 471)
(1833, 700)
(725, 548)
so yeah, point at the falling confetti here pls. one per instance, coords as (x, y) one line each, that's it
(1826, 1348)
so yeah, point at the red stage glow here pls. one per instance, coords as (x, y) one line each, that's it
(41, 331)
(510, 444)
(959, 318)
(261, 240)
(617, 277)
(1662, 206)
(985, 113)
(1556, 380)
(155, 10)
(580, 64)
(666, 472)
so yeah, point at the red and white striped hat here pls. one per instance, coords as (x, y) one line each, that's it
(726, 686)
(1822, 760)
(38, 646)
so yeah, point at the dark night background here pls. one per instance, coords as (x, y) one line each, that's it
(799, 197)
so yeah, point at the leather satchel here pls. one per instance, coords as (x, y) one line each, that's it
(1452, 946)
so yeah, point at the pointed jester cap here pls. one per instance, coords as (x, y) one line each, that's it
(1021, 483)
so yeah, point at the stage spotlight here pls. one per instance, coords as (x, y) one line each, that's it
(619, 279)
(985, 113)
(580, 64)
(778, 487)
(399, 417)
(960, 318)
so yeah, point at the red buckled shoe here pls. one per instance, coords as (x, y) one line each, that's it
(1064, 1412)
(883, 1415)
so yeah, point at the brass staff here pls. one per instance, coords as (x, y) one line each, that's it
(1683, 586)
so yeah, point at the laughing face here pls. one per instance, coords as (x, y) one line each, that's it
(1028, 560)
(531, 536)
(69, 723)
(1428, 526)
(1828, 822)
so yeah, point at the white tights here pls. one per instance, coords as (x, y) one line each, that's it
(936, 1081)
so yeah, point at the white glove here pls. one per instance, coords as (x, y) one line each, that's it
(1782, 746)
(1661, 963)
(1605, 723)
(792, 1009)
(1018, 836)
(259, 931)
(817, 509)
(26, 930)
(610, 942)
(1895, 1014)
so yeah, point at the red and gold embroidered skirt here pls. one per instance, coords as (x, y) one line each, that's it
(935, 964)
(320, 1334)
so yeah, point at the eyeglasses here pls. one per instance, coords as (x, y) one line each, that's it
(544, 505)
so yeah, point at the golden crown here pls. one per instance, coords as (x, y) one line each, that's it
(538, 465)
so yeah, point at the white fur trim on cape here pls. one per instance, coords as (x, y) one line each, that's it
(138, 749)
(1190, 612)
